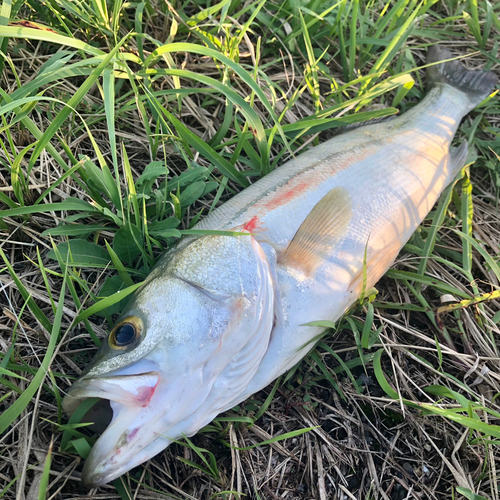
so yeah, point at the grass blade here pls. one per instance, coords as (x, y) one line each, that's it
(15, 410)
(244, 75)
(4, 21)
(71, 105)
(44, 481)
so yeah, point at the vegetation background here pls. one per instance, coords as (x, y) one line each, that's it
(123, 123)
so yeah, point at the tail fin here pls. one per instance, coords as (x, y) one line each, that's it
(477, 85)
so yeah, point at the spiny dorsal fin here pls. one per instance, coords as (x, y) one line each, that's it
(353, 126)
(323, 228)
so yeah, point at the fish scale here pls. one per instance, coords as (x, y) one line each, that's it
(220, 317)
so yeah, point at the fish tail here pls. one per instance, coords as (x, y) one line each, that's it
(476, 85)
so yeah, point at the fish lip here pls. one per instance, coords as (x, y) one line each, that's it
(141, 391)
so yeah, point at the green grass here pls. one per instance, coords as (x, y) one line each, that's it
(122, 124)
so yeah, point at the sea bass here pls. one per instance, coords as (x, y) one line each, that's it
(220, 317)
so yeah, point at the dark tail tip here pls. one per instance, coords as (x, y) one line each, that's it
(477, 85)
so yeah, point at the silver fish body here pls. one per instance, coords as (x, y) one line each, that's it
(221, 317)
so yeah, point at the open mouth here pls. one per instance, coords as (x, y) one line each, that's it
(123, 413)
(98, 417)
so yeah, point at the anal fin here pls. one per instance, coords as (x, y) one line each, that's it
(458, 157)
(323, 229)
(377, 264)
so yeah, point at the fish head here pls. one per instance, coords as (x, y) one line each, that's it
(160, 364)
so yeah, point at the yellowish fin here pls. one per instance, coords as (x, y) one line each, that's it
(323, 228)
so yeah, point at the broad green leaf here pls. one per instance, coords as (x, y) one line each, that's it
(82, 253)
(167, 233)
(149, 176)
(188, 177)
(124, 243)
(192, 193)
(162, 225)
(367, 327)
(122, 272)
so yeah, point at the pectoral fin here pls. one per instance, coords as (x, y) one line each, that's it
(323, 228)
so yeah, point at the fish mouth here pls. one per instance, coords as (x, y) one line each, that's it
(133, 400)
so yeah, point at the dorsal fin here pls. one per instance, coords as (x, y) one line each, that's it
(322, 229)
(353, 126)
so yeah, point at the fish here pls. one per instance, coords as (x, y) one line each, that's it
(222, 316)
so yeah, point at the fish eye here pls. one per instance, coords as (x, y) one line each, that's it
(125, 333)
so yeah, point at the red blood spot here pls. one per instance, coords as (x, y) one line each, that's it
(133, 433)
(251, 225)
(287, 193)
(145, 393)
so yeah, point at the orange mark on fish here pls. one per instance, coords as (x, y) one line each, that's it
(286, 194)
(315, 176)
(251, 225)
